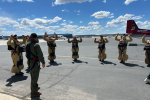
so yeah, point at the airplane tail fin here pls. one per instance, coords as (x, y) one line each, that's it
(131, 26)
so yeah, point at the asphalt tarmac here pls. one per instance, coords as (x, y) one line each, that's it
(86, 79)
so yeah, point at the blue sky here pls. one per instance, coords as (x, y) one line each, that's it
(24, 17)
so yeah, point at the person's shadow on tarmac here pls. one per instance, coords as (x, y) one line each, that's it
(132, 65)
(79, 61)
(108, 62)
(53, 64)
(16, 78)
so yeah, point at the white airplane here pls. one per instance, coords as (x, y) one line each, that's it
(61, 37)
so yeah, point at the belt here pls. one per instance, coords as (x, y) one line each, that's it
(14, 51)
(34, 59)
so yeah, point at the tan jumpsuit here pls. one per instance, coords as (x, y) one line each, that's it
(75, 49)
(17, 57)
(103, 51)
(146, 55)
(125, 56)
(51, 49)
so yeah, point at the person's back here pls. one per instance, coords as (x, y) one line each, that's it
(35, 56)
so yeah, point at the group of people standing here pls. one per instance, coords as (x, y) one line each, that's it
(34, 53)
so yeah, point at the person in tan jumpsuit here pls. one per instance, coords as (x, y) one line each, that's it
(146, 55)
(101, 50)
(75, 48)
(123, 49)
(51, 49)
(17, 57)
(147, 80)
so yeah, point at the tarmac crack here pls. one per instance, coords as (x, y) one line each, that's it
(64, 76)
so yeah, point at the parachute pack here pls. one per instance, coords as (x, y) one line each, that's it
(51, 44)
(147, 47)
(101, 45)
(122, 44)
(75, 43)
(21, 48)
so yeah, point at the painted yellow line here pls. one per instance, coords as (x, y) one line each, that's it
(1, 90)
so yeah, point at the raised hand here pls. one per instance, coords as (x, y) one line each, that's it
(54, 33)
(117, 33)
(144, 35)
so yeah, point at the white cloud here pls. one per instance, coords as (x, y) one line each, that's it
(7, 21)
(97, 27)
(78, 14)
(93, 23)
(18, 0)
(31, 23)
(84, 29)
(63, 24)
(71, 26)
(136, 17)
(124, 27)
(71, 22)
(120, 20)
(145, 24)
(78, 11)
(0, 8)
(129, 1)
(59, 2)
(2, 29)
(49, 28)
(80, 21)
(26, 0)
(65, 10)
(44, 17)
(107, 30)
(104, 1)
(67, 30)
(111, 17)
(64, 20)
(53, 4)
(7, 0)
(101, 14)
(17, 26)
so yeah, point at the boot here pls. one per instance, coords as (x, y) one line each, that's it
(148, 65)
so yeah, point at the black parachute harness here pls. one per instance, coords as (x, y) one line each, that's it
(28, 52)
(52, 46)
(147, 48)
(101, 45)
(74, 46)
(123, 45)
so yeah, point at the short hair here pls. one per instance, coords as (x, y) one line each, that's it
(124, 34)
(15, 35)
(101, 35)
(33, 35)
